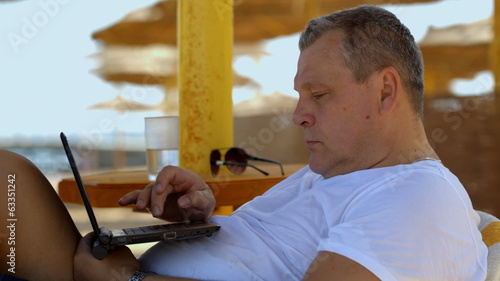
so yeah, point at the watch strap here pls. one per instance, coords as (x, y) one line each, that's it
(140, 274)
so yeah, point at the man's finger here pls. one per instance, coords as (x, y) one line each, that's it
(200, 199)
(86, 241)
(129, 198)
(197, 205)
(158, 198)
(144, 197)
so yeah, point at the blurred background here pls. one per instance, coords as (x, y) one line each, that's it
(95, 69)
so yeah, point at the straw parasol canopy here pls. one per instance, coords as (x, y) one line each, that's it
(123, 105)
(140, 48)
(156, 64)
(275, 103)
(458, 51)
(254, 20)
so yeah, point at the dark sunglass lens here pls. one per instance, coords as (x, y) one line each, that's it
(236, 155)
(214, 157)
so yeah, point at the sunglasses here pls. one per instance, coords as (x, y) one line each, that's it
(236, 160)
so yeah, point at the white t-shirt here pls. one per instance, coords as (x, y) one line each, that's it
(406, 222)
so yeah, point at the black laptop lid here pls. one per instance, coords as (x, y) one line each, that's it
(81, 187)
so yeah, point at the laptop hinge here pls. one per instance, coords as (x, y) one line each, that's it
(104, 236)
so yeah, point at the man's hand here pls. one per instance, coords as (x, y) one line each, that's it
(119, 264)
(177, 195)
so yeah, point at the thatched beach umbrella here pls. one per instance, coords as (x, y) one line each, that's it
(155, 27)
(458, 51)
(254, 20)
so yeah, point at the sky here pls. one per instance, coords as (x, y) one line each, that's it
(47, 84)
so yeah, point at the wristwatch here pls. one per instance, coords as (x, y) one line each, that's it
(140, 274)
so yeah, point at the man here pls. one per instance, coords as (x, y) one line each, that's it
(375, 202)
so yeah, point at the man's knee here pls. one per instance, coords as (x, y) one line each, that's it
(32, 203)
(7, 155)
(11, 162)
(20, 172)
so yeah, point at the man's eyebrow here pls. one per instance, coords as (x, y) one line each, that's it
(303, 86)
(309, 85)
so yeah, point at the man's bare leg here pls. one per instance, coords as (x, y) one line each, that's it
(35, 226)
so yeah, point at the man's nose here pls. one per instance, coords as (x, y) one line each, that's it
(302, 116)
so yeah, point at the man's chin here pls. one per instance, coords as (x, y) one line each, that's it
(327, 169)
(318, 168)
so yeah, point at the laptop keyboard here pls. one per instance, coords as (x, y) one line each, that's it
(148, 229)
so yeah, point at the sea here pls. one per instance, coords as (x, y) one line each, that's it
(52, 160)
(92, 152)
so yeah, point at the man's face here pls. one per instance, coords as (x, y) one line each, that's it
(339, 116)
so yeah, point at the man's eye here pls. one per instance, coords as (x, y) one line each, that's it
(318, 96)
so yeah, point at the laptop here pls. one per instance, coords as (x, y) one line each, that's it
(108, 239)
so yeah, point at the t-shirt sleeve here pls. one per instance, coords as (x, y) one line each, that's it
(408, 229)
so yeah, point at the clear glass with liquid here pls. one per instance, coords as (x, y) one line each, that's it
(159, 158)
(162, 143)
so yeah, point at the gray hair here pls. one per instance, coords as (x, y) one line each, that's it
(372, 39)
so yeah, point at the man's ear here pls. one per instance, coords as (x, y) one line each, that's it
(390, 90)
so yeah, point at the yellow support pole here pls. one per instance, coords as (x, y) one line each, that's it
(495, 49)
(205, 44)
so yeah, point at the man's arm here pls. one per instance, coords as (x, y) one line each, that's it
(119, 264)
(332, 266)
